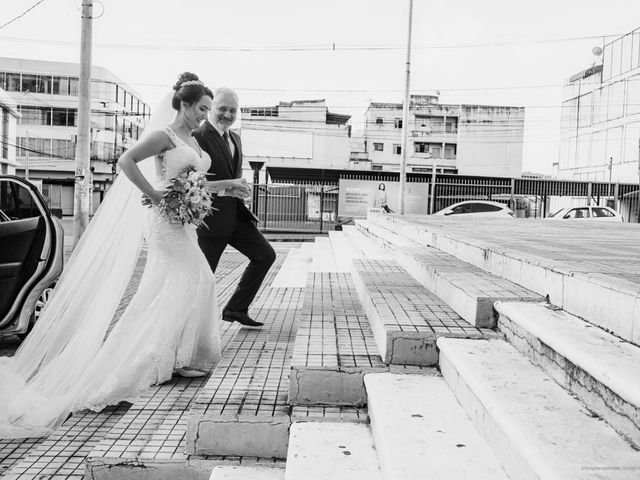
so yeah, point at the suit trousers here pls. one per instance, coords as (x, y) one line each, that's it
(248, 240)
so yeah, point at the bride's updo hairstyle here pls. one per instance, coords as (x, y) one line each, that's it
(188, 89)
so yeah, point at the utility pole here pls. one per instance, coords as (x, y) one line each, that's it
(405, 118)
(83, 191)
(26, 156)
(610, 168)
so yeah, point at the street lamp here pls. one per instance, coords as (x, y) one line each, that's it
(255, 166)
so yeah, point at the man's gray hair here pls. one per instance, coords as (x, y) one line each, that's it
(222, 91)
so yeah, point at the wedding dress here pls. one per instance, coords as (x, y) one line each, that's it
(171, 321)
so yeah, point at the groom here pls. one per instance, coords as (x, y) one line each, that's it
(232, 223)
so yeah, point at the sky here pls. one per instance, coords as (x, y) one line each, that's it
(349, 52)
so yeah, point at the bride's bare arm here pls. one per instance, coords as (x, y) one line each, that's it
(154, 144)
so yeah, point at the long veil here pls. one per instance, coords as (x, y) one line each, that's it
(37, 384)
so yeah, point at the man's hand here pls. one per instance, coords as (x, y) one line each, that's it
(238, 192)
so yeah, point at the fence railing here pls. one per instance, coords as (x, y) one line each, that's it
(313, 206)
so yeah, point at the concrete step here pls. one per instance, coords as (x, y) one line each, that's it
(343, 250)
(602, 370)
(239, 472)
(535, 427)
(384, 236)
(420, 431)
(294, 270)
(323, 259)
(334, 346)
(365, 245)
(468, 289)
(406, 319)
(331, 451)
(572, 277)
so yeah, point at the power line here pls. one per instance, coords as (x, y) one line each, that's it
(323, 47)
(22, 14)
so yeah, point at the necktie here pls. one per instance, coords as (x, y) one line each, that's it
(225, 137)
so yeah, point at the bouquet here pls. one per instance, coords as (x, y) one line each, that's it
(186, 199)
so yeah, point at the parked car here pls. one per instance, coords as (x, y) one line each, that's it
(31, 254)
(482, 208)
(601, 214)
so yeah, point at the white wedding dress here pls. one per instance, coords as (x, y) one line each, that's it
(171, 322)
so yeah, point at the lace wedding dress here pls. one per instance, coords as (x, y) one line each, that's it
(171, 322)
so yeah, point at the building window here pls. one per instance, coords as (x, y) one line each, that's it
(451, 125)
(59, 117)
(450, 151)
(60, 86)
(63, 117)
(397, 149)
(63, 148)
(262, 112)
(616, 100)
(379, 121)
(397, 123)
(29, 83)
(13, 82)
(633, 95)
(73, 87)
(378, 147)
(421, 147)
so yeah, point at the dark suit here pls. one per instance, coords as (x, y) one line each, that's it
(232, 223)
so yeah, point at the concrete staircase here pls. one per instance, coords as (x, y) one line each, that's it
(417, 348)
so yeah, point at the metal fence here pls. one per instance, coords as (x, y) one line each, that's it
(313, 205)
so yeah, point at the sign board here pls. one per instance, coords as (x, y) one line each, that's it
(358, 196)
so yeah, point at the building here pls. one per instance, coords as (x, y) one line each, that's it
(301, 133)
(600, 119)
(8, 121)
(464, 139)
(46, 94)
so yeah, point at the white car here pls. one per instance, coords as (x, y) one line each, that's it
(601, 214)
(481, 208)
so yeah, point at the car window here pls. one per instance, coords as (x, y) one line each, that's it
(484, 207)
(16, 201)
(578, 213)
(466, 208)
(601, 212)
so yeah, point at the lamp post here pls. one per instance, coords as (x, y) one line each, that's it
(610, 169)
(405, 118)
(255, 166)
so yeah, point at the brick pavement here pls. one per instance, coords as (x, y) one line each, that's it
(334, 346)
(82, 432)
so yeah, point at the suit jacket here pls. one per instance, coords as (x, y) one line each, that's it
(221, 222)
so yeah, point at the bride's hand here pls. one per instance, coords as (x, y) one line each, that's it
(157, 196)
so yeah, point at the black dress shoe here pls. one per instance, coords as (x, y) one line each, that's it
(240, 317)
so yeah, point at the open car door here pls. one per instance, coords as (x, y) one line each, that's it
(28, 241)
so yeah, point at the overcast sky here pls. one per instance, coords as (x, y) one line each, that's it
(350, 52)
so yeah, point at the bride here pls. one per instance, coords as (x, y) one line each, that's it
(171, 323)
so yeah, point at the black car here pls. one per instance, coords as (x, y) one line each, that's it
(31, 254)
